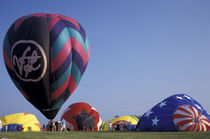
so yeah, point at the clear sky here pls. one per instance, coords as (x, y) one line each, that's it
(142, 51)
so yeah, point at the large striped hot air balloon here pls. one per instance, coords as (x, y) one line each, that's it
(179, 112)
(46, 56)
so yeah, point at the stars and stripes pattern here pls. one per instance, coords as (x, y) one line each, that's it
(188, 118)
(178, 112)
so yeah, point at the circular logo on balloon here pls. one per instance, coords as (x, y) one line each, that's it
(29, 60)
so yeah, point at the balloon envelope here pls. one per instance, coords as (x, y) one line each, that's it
(82, 116)
(29, 121)
(124, 119)
(178, 112)
(46, 56)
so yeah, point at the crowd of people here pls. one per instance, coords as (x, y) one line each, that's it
(51, 126)
(61, 126)
(120, 126)
(55, 126)
(6, 127)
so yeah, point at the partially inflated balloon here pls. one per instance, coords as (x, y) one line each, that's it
(179, 112)
(82, 116)
(29, 121)
(128, 120)
(46, 56)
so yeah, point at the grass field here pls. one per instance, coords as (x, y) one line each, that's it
(107, 135)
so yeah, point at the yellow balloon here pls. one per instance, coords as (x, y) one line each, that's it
(29, 121)
(132, 119)
(102, 125)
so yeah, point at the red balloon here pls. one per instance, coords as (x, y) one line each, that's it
(81, 116)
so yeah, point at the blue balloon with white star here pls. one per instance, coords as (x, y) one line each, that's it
(179, 112)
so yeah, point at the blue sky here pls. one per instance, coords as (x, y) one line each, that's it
(142, 51)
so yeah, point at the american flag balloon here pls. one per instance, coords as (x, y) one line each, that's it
(179, 112)
(188, 118)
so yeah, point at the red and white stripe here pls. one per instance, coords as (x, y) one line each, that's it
(188, 118)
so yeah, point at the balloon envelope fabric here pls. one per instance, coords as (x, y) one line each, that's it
(81, 116)
(178, 112)
(133, 120)
(46, 56)
(29, 121)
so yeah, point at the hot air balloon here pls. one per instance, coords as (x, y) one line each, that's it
(179, 112)
(46, 56)
(129, 121)
(29, 121)
(102, 125)
(81, 116)
(209, 120)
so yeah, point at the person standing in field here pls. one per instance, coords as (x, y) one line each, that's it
(63, 123)
(43, 128)
(0, 125)
(110, 126)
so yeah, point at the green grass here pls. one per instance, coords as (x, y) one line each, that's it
(106, 135)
